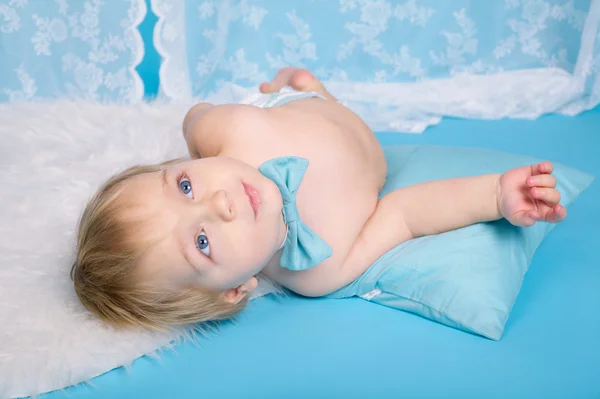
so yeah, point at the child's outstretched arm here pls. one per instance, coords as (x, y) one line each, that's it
(522, 196)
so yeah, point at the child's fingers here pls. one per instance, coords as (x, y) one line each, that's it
(542, 168)
(549, 195)
(557, 214)
(541, 181)
(534, 216)
(524, 218)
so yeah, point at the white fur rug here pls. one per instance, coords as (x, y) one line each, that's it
(52, 158)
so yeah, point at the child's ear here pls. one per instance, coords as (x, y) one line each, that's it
(234, 295)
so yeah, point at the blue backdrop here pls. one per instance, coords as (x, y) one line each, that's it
(148, 68)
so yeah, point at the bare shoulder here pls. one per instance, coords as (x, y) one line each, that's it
(209, 129)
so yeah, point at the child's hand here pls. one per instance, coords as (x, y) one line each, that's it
(528, 194)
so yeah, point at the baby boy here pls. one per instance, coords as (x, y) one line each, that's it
(286, 185)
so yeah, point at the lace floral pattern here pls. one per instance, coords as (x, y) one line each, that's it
(366, 49)
(67, 48)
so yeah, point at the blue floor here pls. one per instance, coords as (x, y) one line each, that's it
(316, 348)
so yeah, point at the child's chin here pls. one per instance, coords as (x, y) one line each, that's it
(271, 193)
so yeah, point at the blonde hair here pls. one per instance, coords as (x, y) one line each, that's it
(106, 257)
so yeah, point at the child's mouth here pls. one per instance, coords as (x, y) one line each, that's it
(253, 196)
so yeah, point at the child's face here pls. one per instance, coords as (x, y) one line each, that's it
(216, 222)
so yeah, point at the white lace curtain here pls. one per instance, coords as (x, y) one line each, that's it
(400, 64)
(71, 48)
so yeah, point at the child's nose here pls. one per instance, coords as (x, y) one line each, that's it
(222, 206)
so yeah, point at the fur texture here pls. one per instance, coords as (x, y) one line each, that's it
(53, 156)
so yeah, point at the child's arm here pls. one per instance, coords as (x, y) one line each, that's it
(208, 129)
(523, 196)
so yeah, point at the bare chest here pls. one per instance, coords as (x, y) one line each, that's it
(340, 188)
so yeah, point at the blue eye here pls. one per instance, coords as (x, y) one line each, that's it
(202, 244)
(186, 187)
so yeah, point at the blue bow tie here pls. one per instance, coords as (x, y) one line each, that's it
(303, 248)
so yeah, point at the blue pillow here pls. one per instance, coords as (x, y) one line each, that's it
(467, 278)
